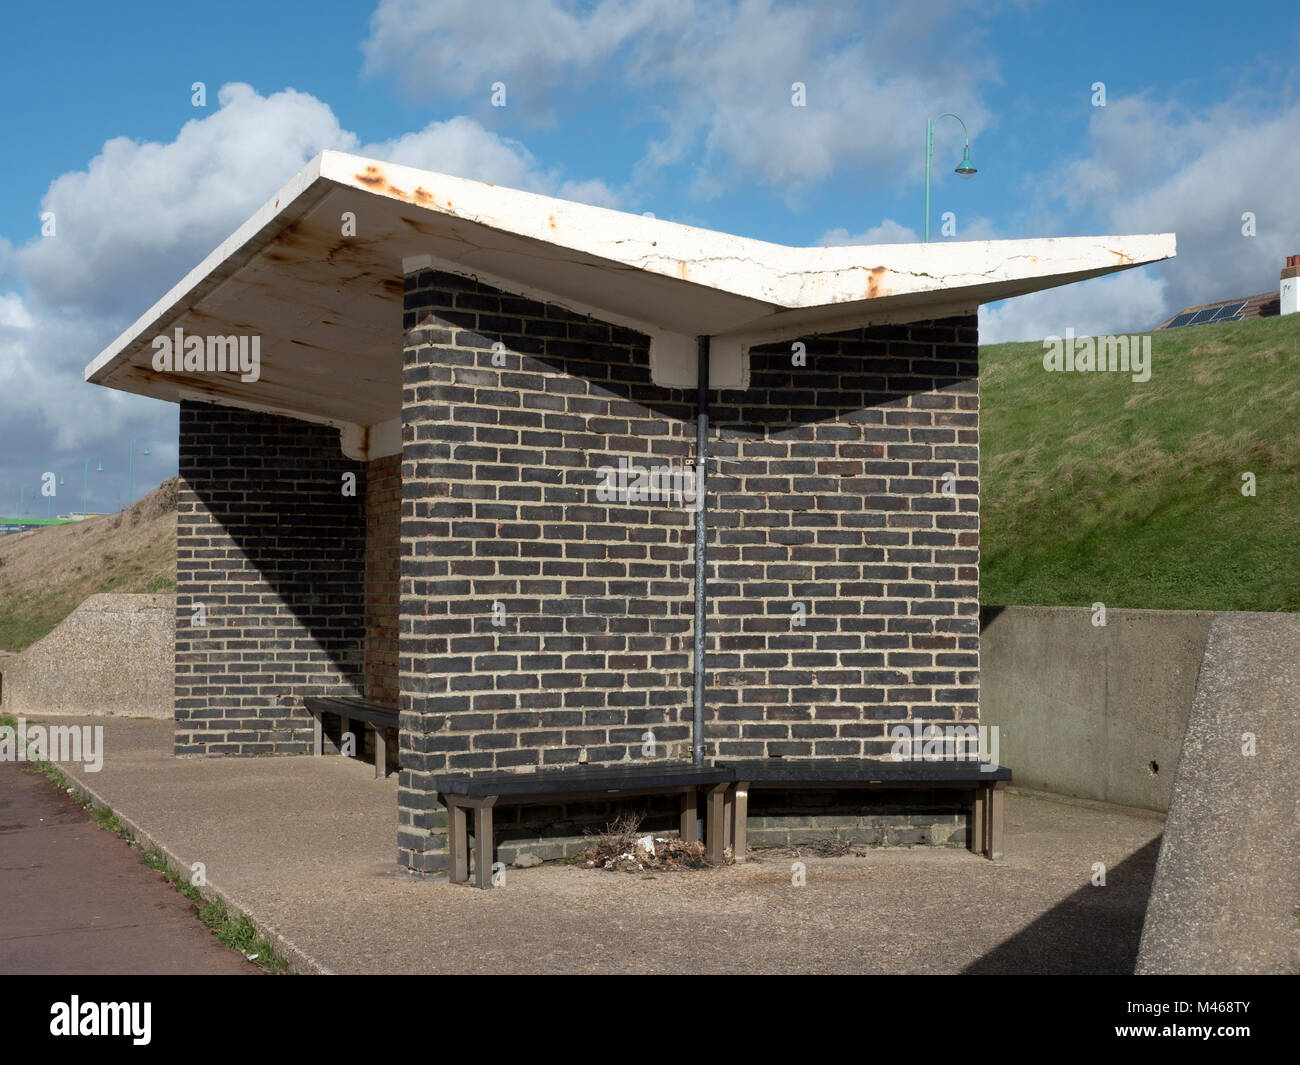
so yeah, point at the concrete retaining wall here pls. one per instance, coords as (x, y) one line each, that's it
(1226, 896)
(1097, 712)
(112, 655)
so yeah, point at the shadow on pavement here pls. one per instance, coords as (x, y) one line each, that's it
(1095, 930)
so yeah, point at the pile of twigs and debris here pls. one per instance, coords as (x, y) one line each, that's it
(622, 848)
(827, 846)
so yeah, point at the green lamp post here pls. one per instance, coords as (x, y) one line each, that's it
(130, 491)
(85, 472)
(965, 168)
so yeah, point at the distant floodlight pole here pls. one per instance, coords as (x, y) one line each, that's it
(965, 168)
(85, 475)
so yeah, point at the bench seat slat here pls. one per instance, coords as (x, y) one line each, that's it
(582, 779)
(356, 709)
(850, 771)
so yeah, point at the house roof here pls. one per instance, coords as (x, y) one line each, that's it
(327, 306)
(1262, 305)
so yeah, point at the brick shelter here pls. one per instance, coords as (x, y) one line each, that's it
(462, 480)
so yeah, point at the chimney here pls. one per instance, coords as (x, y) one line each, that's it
(1289, 293)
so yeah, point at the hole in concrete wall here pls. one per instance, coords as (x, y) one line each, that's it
(1153, 767)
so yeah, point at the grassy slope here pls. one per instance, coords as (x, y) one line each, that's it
(1099, 489)
(46, 573)
(1095, 488)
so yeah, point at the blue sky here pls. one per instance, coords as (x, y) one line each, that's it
(677, 107)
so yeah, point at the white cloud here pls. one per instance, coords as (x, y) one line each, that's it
(891, 232)
(141, 215)
(13, 314)
(1154, 167)
(1127, 302)
(7, 261)
(15, 325)
(462, 47)
(717, 77)
(462, 147)
(888, 232)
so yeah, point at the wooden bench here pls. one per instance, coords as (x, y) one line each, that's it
(482, 792)
(378, 717)
(985, 782)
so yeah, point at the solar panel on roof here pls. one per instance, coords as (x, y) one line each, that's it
(1201, 317)
(1228, 311)
(1180, 320)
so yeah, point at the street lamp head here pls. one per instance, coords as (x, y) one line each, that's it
(966, 169)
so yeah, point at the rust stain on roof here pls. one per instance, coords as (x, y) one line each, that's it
(418, 226)
(374, 178)
(873, 282)
(1120, 257)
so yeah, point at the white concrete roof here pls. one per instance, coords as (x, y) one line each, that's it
(328, 306)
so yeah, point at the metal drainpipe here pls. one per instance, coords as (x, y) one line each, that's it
(701, 534)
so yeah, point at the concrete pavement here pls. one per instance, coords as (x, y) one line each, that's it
(75, 899)
(307, 847)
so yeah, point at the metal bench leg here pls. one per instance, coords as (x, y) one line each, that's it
(483, 849)
(381, 752)
(457, 840)
(714, 830)
(739, 819)
(688, 814)
(996, 819)
(317, 735)
(978, 813)
(728, 815)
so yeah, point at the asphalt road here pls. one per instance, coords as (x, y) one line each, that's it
(75, 899)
